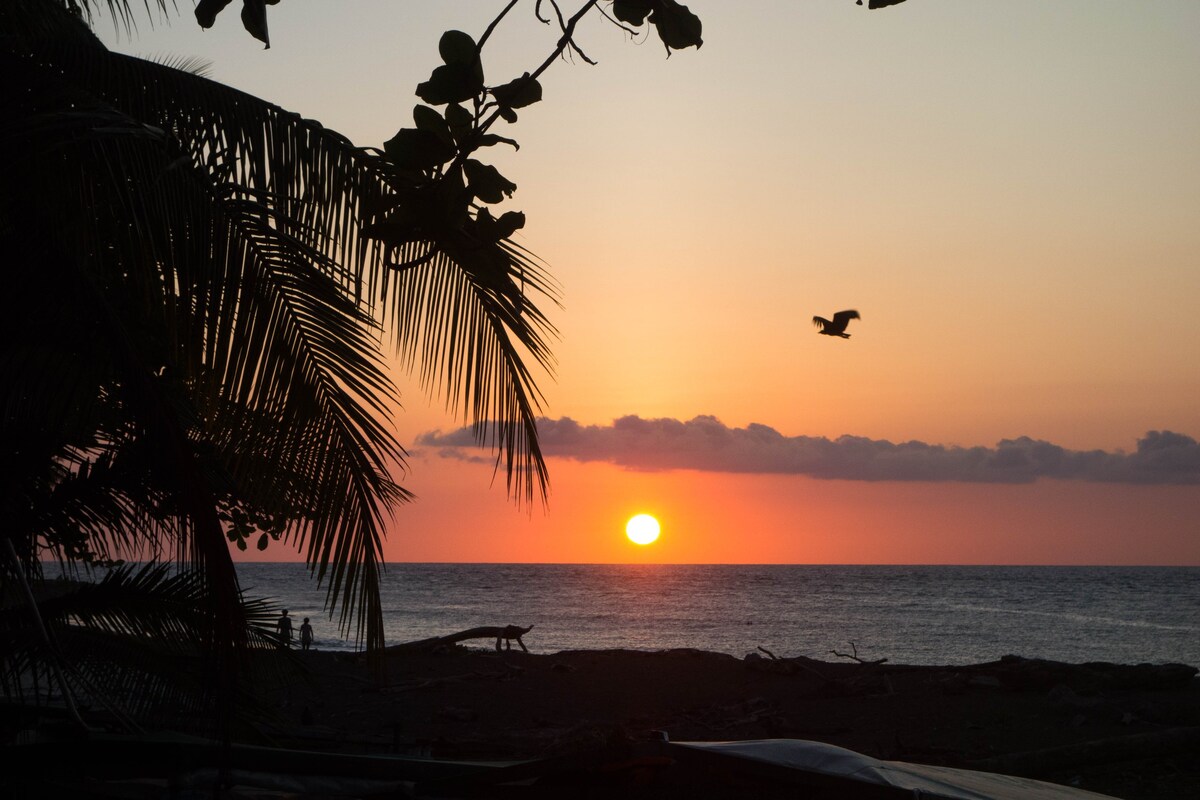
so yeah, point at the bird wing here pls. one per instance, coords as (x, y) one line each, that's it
(843, 318)
(821, 322)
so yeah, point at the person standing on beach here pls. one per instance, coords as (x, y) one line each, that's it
(284, 625)
(306, 635)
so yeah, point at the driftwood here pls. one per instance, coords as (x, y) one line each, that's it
(505, 633)
(855, 657)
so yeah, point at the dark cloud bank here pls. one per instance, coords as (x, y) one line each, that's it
(705, 443)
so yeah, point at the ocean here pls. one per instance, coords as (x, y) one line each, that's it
(906, 614)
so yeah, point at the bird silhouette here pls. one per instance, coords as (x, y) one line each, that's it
(836, 327)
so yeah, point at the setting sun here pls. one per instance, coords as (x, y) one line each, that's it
(642, 529)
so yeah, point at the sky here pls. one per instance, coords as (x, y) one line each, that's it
(1006, 191)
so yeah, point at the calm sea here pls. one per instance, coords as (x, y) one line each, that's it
(907, 614)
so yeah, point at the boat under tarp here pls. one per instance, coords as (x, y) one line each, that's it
(917, 780)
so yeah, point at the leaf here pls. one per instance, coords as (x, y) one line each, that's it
(395, 231)
(451, 83)
(207, 10)
(241, 545)
(508, 114)
(456, 47)
(491, 230)
(509, 223)
(632, 12)
(263, 539)
(254, 16)
(460, 121)
(254, 20)
(677, 26)
(411, 148)
(486, 182)
(428, 119)
(452, 198)
(489, 139)
(524, 91)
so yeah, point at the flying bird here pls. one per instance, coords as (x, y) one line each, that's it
(837, 327)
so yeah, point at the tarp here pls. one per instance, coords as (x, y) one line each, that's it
(922, 780)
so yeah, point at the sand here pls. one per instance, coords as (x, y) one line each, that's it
(1127, 731)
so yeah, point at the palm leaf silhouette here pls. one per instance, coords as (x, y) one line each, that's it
(225, 309)
(128, 643)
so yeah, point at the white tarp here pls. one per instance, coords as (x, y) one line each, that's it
(922, 780)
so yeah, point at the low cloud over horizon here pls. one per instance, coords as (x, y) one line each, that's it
(706, 444)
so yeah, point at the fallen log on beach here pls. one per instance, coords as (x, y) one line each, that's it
(505, 633)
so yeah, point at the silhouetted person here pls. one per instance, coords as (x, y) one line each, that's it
(305, 635)
(284, 625)
(836, 326)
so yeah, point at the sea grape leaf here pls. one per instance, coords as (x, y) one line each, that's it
(486, 182)
(524, 91)
(254, 20)
(451, 83)
(412, 148)
(395, 231)
(677, 26)
(489, 139)
(460, 121)
(632, 12)
(453, 198)
(509, 223)
(416, 219)
(493, 230)
(207, 10)
(428, 119)
(456, 47)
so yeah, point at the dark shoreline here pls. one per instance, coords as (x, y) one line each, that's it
(1127, 730)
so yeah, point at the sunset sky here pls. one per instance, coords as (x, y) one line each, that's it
(1008, 192)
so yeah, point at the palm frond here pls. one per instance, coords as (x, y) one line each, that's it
(121, 11)
(130, 643)
(323, 190)
(200, 67)
(468, 334)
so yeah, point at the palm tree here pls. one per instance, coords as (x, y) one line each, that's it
(200, 288)
(199, 283)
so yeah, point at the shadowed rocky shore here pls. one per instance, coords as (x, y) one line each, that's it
(1127, 730)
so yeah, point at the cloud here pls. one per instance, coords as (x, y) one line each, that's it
(706, 444)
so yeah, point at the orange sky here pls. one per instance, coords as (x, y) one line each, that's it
(722, 518)
(1006, 191)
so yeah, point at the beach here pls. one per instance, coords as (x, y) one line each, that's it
(1129, 731)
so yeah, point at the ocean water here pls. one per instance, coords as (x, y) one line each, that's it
(907, 614)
